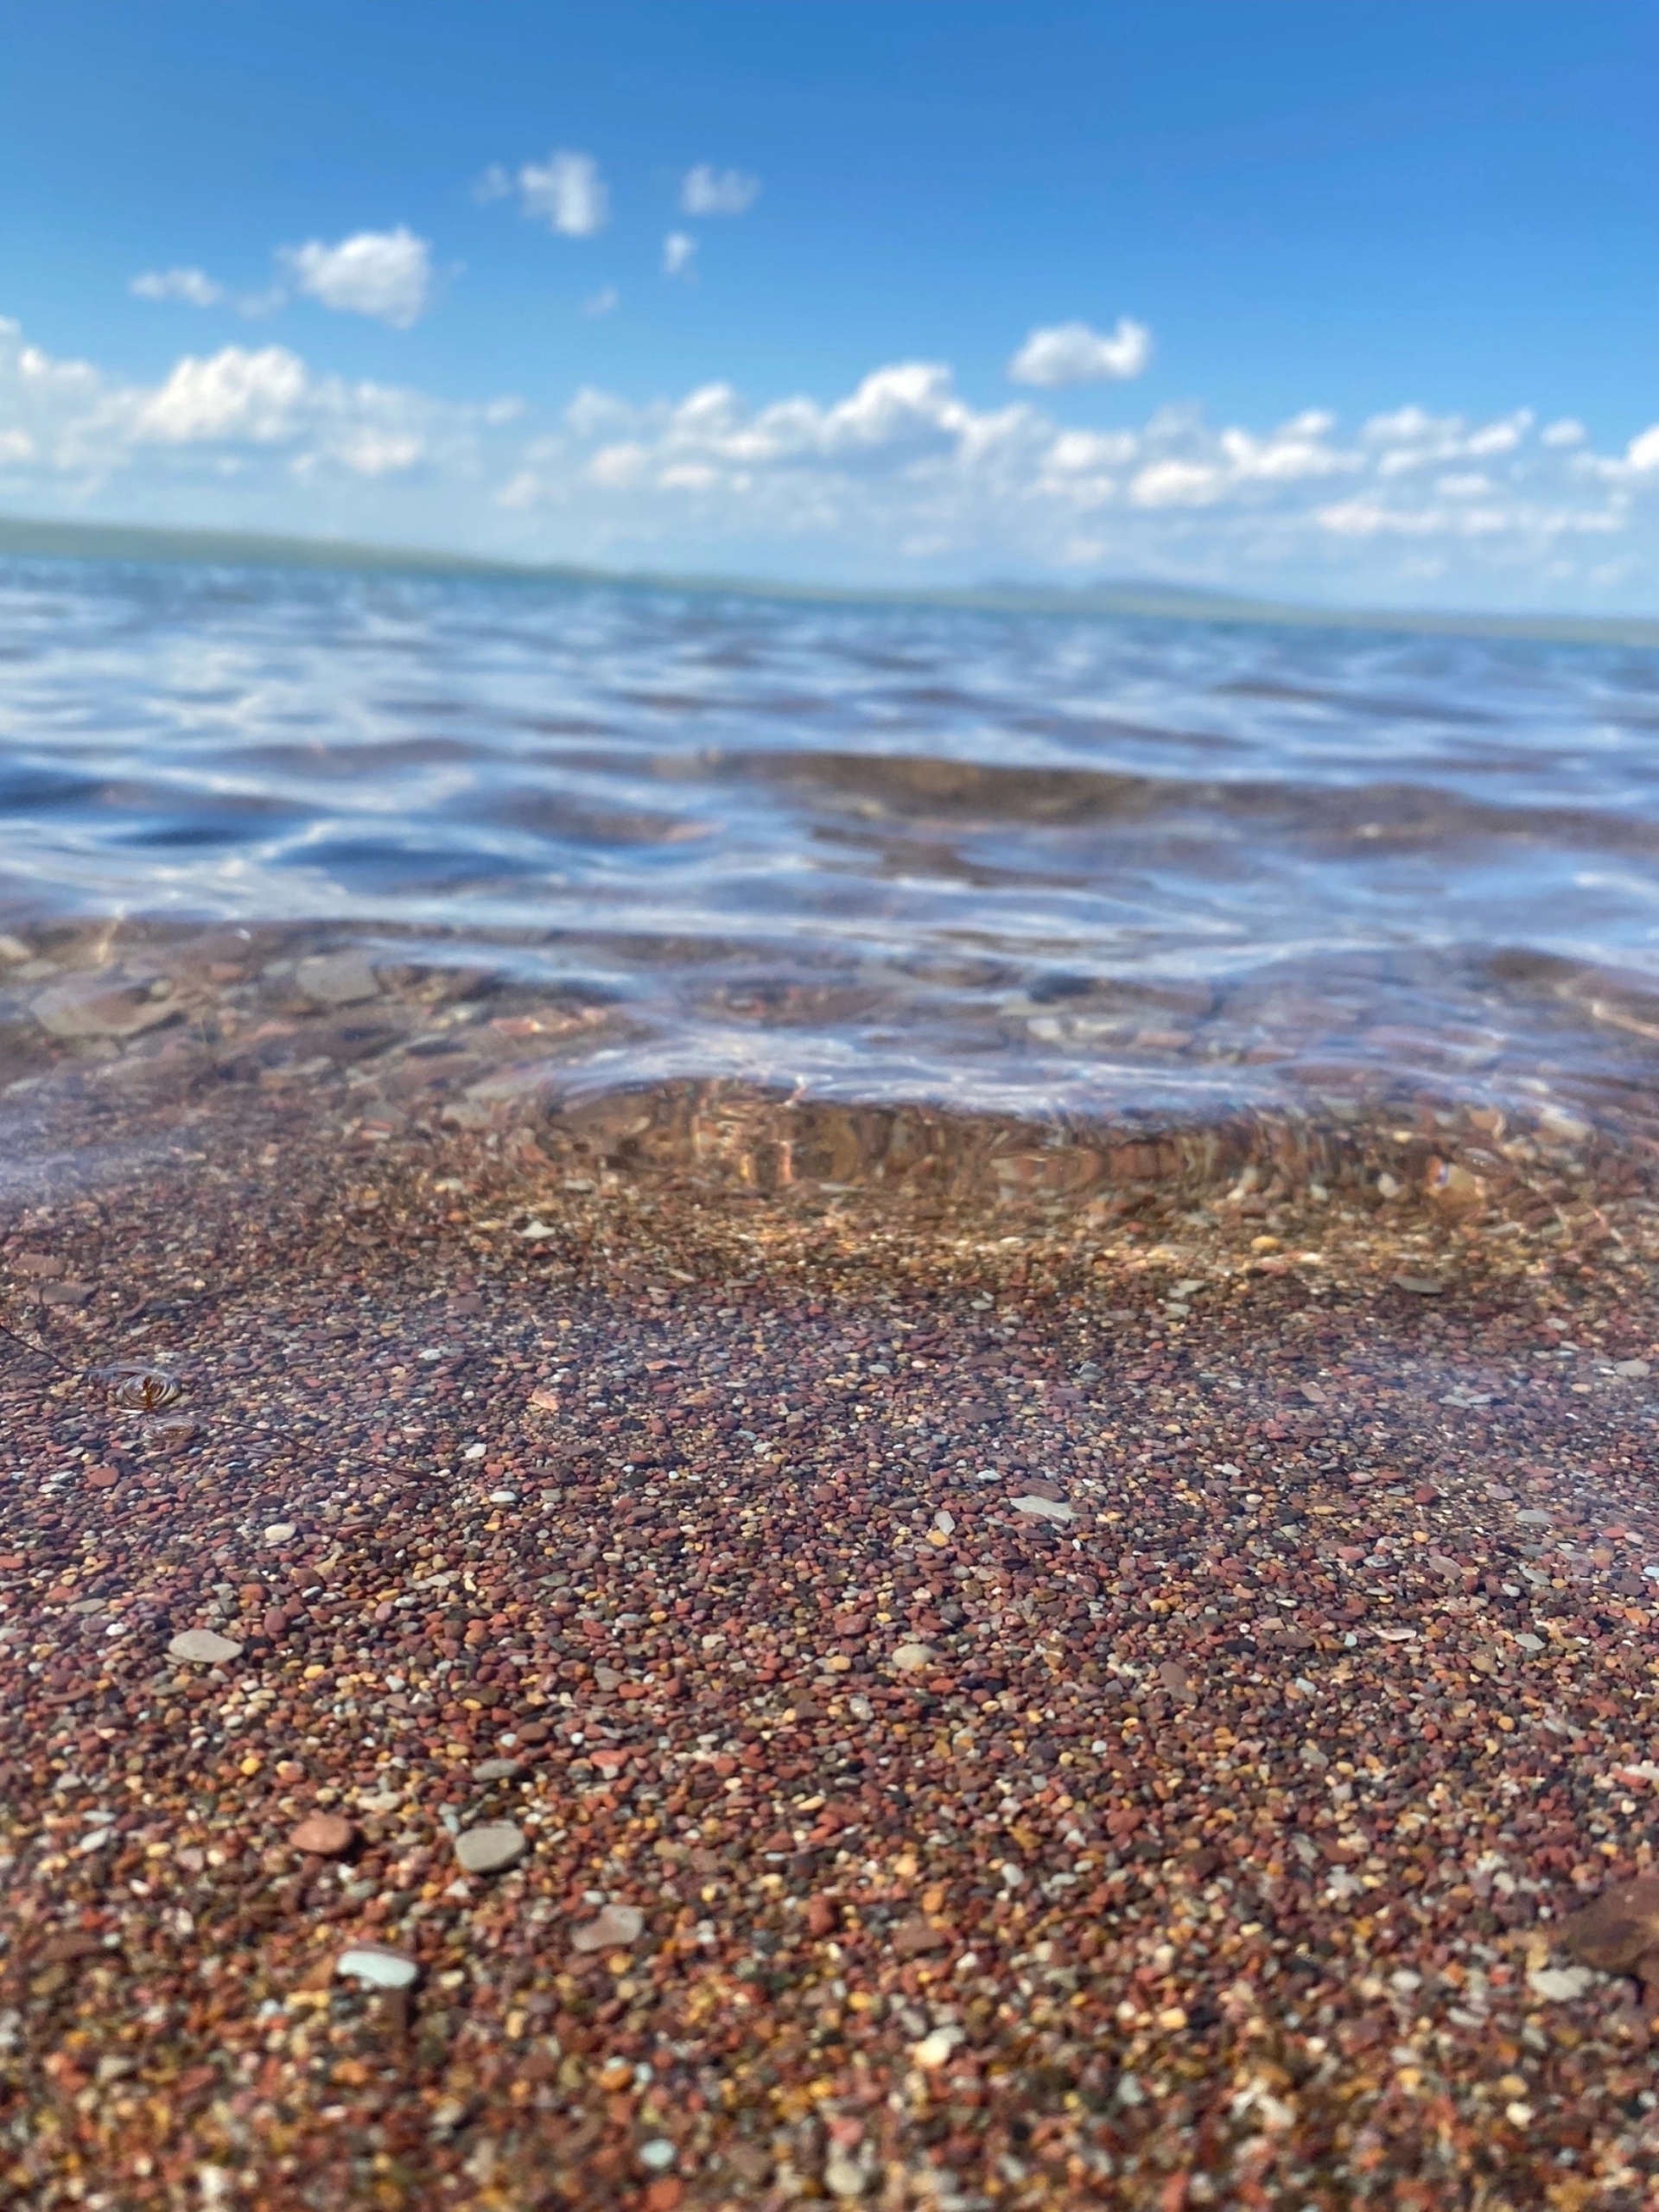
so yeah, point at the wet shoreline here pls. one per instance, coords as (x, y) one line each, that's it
(101, 1017)
(1012, 866)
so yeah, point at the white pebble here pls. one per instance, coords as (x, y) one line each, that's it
(1559, 1985)
(380, 1969)
(934, 2049)
(657, 2155)
(279, 1532)
(909, 1658)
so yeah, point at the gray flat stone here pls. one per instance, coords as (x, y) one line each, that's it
(203, 1647)
(100, 1006)
(491, 1846)
(336, 979)
(1045, 1509)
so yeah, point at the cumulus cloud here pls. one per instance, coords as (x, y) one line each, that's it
(566, 193)
(1070, 352)
(385, 274)
(233, 394)
(1410, 439)
(192, 286)
(259, 414)
(680, 254)
(706, 190)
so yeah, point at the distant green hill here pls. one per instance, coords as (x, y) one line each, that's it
(24, 538)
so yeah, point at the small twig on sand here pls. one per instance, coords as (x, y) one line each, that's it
(40, 1351)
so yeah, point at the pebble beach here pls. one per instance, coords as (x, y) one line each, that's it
(597, 1657)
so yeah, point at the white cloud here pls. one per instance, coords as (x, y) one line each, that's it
(604, 301)
(260, 417)
(385, 274)
(619, 469)
(1567, 432)
(1414, 439)
(494, 184)
(1526, 525)
(1501, 437)
(706, 190)
(192, 286)
(1178, 484)
(679, 253)
(566, 193)
(1070, 352)
(234, 394)
(1470, 484)
(1641, 455)
(595, 413)
(1290, 454)
(1078, 452)
(367, 450)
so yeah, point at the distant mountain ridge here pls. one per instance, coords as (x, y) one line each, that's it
(28, 538)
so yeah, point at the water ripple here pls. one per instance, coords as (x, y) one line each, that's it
(976, 855)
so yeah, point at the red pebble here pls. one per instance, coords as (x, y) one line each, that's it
(102, 1477)
(822, 1915)
(275, 1622)
(325, 1835)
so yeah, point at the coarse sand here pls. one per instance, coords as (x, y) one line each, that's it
(1102, 1703)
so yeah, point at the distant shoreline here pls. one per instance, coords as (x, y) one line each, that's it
(28, 538)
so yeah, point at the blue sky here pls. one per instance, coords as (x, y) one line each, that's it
(1341, 298)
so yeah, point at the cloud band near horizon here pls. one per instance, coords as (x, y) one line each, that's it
(902, 476)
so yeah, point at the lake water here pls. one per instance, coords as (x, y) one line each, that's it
(1023, 863)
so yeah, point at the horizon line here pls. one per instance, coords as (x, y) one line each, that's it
(47, 538)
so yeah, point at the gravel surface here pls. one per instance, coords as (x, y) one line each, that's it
(1109, 1705)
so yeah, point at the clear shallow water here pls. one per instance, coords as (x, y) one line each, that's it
(1004, 861)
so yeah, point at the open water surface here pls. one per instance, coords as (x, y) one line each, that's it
(1022, 863)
